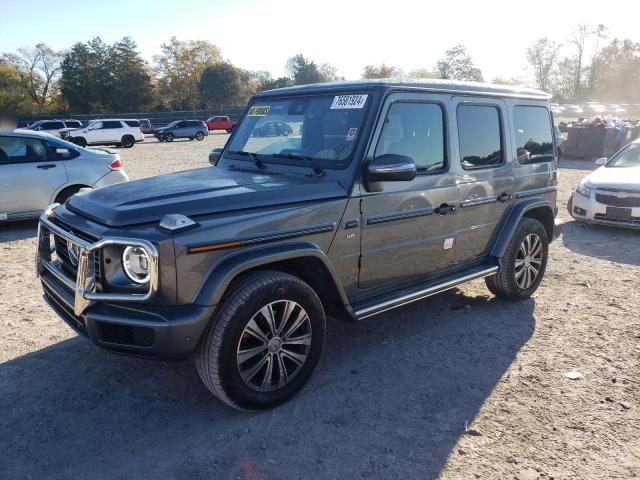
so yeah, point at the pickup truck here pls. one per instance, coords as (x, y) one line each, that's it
(220, 123)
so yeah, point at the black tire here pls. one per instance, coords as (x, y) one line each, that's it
(168, 137)
(199, 136)
(570, 206)
(64, 195)
(504, 283)
(229, 130)
(128, 141)
(80, 141)
(217, 352)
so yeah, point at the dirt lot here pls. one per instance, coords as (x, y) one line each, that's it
(390, 399)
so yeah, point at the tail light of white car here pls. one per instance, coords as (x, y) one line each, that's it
(116, 164)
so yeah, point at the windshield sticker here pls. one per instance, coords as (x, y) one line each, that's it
(348, 101)
(259, 111)
(351, 135)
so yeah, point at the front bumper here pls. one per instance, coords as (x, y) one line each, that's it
(121, 322)
(589, 210)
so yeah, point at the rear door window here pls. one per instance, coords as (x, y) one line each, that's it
(534, 137)
(480, 136)
(111, 124)
(415, 130)
(52, 126)
(73, 124)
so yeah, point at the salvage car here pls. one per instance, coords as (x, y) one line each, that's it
(38, 169)
(182, 129)
(611, 194)
(107, 131)
(220, 123)
(392, 192)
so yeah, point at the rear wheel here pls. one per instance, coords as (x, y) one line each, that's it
(168, 137)
(523, 263)
(199, 136)
(65, 194)
(264, 341)
(127, 141)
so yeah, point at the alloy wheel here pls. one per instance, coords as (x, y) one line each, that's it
(528, 261)
(274, 345)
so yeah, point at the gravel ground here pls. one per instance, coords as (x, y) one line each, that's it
(390, 399)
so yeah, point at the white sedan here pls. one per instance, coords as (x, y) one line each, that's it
(611, 194)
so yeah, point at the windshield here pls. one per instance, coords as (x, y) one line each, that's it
(323, 128)
(629, 157)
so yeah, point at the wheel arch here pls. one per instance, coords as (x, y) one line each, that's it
(302, 259)
(67, 186)
(537, 208)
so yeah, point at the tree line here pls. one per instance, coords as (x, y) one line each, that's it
(587, 66)
(97, 77)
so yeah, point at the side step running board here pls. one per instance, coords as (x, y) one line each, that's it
(372, 310)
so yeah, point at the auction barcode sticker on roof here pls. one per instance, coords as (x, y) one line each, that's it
(348, 101)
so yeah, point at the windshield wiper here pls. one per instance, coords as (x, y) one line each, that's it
(309, 161)
(259, 163)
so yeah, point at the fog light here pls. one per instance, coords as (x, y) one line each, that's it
(579, 211)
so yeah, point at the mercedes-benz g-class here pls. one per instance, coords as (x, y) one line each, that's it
(381, 194)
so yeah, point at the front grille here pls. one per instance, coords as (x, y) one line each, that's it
(616, 201)
(630, 221)
(63, 252)
(126, 335)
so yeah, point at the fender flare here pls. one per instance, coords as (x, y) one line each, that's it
(514, 216)
(228, 268)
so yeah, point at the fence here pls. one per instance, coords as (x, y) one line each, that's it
(156, 118)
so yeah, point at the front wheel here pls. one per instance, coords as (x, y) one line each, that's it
(523, 263)
(168, 137)
(127, 141)
(264, 342)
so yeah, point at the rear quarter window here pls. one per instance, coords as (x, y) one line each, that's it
(133, 123)
(534, 134)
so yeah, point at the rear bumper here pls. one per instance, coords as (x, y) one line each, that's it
(163, 333)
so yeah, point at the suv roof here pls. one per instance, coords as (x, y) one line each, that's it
(446, 86)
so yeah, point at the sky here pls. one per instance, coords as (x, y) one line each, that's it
(262, 35)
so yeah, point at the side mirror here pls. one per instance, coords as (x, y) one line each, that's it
(601, 161)
(391, 168)
(214, 155)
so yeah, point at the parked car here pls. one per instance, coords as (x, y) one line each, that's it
(182, 129)
(38, 169)
(610, 195)
(379, 204)
(220, 123)
(272, 129)
(145, 125)
(54, 127)
(560, 140)
(108, 131)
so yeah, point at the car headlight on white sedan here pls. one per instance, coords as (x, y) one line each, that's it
(136, 264)
(585, 189)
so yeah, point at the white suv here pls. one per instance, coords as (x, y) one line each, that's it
(108, 131)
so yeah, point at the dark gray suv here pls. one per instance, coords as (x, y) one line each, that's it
(379, 195)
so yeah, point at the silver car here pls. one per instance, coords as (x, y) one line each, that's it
(38, 169)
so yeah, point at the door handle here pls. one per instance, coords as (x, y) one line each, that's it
(504, 197)
(445, 208)
(46, 166)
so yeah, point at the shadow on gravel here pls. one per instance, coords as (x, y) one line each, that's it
(610, 243)
(18, 230)
(389, 399)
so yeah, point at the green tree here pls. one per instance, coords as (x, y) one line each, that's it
(220, 86)
(131, 83)
(302, 71)
(381, 71)
(37, 69)
(457, 64)
(180, 67)
(617, 77)
(542, 57)
(13, 97)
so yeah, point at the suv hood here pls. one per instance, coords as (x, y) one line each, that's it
(198, 192)
(624, 178)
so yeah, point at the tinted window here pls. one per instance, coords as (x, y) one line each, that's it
(52, 126)
(414, 130)
(111, 124)
(21, 150)
(534, 139)
(73, 124)
(133, 123)
(56, 151)
(479, 136)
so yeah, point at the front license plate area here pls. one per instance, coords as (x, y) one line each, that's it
(617, 213)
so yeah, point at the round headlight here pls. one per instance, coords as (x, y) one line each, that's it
(135, 263)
